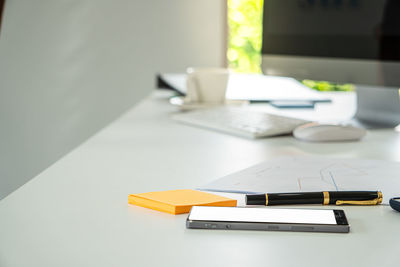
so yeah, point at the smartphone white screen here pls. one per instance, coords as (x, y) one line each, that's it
(271, 215)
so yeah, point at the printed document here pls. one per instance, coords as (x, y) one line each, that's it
(305, 174)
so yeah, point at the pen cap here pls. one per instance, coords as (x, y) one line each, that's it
(258, 199)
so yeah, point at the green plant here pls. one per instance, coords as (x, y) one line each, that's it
(328, 86)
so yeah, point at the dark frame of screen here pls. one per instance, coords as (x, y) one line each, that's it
(379, 45)
(1, 11)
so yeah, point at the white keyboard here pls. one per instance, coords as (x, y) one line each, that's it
(240, 121)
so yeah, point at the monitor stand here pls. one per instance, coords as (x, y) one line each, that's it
(377, 107)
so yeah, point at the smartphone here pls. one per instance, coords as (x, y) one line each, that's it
(269, 219)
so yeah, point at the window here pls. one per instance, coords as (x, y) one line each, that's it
(245, 35)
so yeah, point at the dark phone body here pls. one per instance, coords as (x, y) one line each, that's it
(341, 225)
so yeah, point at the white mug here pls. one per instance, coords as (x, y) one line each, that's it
(206, 85)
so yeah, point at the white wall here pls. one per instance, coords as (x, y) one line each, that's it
(69, 67)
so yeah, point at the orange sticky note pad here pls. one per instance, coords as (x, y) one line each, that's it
(179, 201)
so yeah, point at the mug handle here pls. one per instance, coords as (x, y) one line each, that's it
(192, 94)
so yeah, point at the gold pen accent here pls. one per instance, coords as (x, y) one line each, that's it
(375, 201)
(266, 199)
(380, 197)
(326, 198)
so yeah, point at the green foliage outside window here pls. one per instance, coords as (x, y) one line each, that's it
(245, 35)
(245, 40)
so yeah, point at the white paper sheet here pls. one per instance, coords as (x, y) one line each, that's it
(305, 174)
(256, 87)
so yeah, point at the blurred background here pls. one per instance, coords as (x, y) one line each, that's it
(245, 40)
(69, 68)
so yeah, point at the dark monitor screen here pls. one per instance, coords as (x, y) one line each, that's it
(1, 11)
(357, 29)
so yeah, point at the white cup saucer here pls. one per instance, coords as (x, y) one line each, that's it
(184, 104)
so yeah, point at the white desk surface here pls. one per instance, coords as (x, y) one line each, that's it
(76, 213)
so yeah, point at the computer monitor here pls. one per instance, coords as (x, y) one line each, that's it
(350, 41)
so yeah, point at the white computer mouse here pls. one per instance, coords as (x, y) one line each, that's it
(316, 132)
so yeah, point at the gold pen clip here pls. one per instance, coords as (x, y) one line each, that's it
(361, 202)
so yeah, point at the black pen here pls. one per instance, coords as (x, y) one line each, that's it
(325, 198)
